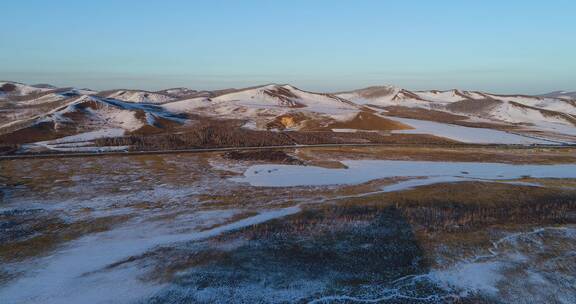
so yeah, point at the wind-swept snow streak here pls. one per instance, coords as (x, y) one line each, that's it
(78, 273)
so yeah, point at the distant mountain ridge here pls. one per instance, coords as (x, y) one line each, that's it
(560, 94)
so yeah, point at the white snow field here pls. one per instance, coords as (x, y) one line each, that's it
(140, 96)
(360, 171)
(80, 142)
(466, 134)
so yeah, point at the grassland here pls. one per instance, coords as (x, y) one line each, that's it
(190, 234)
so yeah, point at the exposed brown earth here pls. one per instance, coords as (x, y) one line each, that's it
(203, 132)
(375, 92)
(406, 94)
(286, 97)
(8, 149)
(214, 137)
(54, 233)
(7, 88)
(208, 133)
(440, 116)
(287, 121)
(474, 106)
(367, 121)
(37, 132)
(349, 238)
(469, 206)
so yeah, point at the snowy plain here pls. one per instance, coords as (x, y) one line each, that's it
(360, 171)
(466, 134)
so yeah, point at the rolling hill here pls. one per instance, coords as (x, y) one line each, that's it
(41, 115)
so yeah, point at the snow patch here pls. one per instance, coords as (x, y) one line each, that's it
(361, 171)
(465, 134)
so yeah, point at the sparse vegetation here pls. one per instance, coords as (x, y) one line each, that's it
(275, 156)
(215, 134)
(346, 240)
(475, 205)
(8, 149)
(26, 234)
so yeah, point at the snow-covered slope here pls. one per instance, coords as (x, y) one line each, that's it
(87, 114)
(52, 96)
(261, 104)
(381, 95)
(68, 111)
(560, 94)
(139, 96)
(112, 113)
(9, 88)
(532, 112)
(538, 118)
(43, 98)
(546, 103)
(178, 92)
(448, 96)
(27, 95)
(393, 96)
(82, 142)
(286, 96)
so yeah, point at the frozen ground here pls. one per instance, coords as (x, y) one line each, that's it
(467, 134)
(189, 228)
(83, 142)
(360, 171)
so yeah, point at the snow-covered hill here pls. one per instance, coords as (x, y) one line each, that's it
(561, 94)
(394, 96)
(90, 113)
(532, 112)
(139, 96)
(286, 96)
(261, 104)
(178, 92)
(43, 113)
(10, 88)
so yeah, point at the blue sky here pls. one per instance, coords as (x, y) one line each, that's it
(501, 46)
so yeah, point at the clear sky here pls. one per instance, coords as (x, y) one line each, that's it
(501, 46)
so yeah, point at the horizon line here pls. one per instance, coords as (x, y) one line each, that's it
(279, 84)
